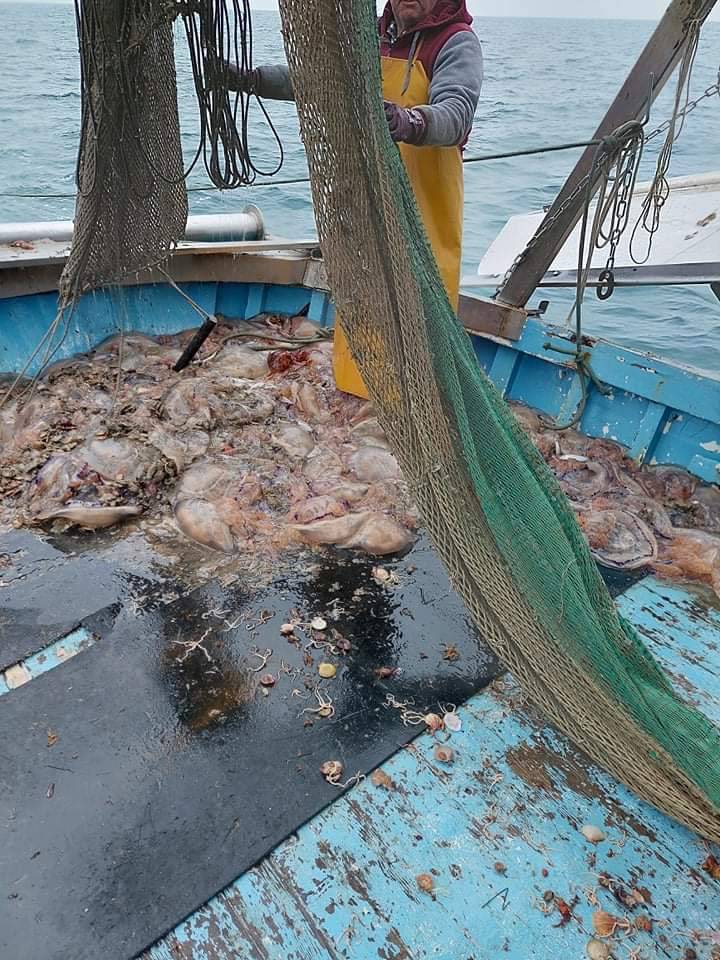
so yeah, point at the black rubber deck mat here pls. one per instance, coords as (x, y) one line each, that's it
(44, 593)
(175, 769)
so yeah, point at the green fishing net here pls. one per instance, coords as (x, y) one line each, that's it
(491, 505)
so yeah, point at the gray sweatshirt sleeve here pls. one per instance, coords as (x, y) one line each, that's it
(454, 91)
(273, 82)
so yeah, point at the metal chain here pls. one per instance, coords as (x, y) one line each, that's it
(712, 91)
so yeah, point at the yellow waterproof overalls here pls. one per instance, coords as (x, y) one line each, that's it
(436, 175)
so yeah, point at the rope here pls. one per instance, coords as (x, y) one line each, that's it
(481, 158)
(215, 30)
(615, 164)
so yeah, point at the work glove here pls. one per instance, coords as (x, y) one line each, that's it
(241, 81)
(405, 125)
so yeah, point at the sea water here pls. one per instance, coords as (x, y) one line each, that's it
(546, 81)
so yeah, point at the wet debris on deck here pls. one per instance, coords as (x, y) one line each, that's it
(252, 453)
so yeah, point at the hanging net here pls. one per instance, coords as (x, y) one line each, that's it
(494, 511)
(132, 204)
(132, 201)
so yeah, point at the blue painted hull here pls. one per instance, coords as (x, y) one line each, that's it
(661, 412)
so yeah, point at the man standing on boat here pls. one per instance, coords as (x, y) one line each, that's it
(432, 72)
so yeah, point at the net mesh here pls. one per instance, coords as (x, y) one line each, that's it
(132, 204)
(492, 507)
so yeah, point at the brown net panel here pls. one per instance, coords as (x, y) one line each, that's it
(132, 204)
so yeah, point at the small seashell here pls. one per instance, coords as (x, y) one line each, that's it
(433, 722)
(452, 722)
(268, 680)
(444, 754)
(425, 882)
(597, 950)
(287, 629)
(386, 577)
(604, 924)
(325, 711)
(500, 867)
(332, 770)
(382, 779)
(327, 670)
(17, 675)
(593, 834)
(318, 624)
(386, 673)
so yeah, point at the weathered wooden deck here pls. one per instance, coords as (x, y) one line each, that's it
(499, 832)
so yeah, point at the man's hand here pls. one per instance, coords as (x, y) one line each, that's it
(241, 81)
(405, 125)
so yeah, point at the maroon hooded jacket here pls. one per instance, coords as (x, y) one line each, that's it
(447, 18)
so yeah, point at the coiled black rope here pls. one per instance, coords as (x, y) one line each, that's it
(219, 37)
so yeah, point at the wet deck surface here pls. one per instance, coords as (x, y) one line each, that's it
(498, 831)
(180, 742)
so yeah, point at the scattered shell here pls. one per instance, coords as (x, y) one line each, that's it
(452, 722)
(500, 867)
(444, 754)
(385, 577)
(16, 676)
(268, 680)
(318, 624)
(597, 950)
(52, 738)
(332, 770)
(643, 923)
(386, 673)
(381, 779)
(327, 670)
(433, 722)
(593, 834)
(604, 924)
(287, 629)
(425, 882)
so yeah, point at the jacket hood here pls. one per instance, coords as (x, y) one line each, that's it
(442, 14)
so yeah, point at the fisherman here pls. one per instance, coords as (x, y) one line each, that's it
(432, 72)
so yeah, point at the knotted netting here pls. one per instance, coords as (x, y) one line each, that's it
(491, 506)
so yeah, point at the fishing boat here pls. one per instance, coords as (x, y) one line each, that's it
(521, 841)
(179, 785)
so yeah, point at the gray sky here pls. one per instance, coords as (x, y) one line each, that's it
(612, 9)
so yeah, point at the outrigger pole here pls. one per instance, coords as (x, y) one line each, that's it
(645, 81)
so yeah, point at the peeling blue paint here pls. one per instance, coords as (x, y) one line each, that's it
(52, 656)
(496, 831)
